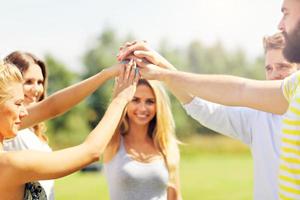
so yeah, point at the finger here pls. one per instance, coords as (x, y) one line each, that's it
(132, 73)
(128, 70)
(137, 76)
(137, 46)
(140, 62)
(146, 55)
(122, 73)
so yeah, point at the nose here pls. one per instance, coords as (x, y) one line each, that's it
(276, 75)
(23, 112)
(142, 107)
(281, 25)
(36, 89)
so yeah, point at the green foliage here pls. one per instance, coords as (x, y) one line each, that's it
(70, 128)
(100, 56)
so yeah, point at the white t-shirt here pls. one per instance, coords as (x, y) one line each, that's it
(259, 130)
(27, 140)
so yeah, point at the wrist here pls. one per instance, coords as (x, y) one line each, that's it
(109, 72)
(164, 75)
(120, 100)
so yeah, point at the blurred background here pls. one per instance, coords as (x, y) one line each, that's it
(79, 38)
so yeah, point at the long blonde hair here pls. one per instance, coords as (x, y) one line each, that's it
(8, 74)
(161, 129)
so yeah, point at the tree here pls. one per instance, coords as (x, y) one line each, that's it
(70, 128)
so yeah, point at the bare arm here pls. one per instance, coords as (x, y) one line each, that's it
(174, 193)
(226, 90)
(230, 90)
(65, 99)
(24, 166)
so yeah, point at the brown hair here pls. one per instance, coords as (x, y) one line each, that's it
(275, 41)
(23, 60)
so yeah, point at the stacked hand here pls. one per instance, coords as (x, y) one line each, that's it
(150, 63)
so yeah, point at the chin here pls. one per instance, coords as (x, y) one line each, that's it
(142, 122)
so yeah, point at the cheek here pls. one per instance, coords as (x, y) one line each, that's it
(152, 109)
(26, 89)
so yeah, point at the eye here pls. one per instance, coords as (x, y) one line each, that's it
(150, 102)
(268, 68)
(284, 66)
(135, 100)
(28, 82)
(41, 82)
(19, 103)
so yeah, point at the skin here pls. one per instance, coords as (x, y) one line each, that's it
(33, 84)
(276, 66)
(139, 146)
(14, 111)
(20, 167)
(63, 100)
(291, 15)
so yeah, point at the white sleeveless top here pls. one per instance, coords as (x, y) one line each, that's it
(27, 140)
(129, 179)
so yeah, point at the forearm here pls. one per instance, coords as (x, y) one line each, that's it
(31, 165)
(101, 135)
(63, 100)
(229, 90)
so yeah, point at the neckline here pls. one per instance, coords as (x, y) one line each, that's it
(137, 161)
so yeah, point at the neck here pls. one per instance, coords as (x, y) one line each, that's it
(137, 132)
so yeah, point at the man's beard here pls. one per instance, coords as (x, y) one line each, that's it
(292, 45)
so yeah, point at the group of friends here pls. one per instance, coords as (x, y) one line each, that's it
(136, 136)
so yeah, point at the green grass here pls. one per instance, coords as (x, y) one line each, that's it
(204, 176)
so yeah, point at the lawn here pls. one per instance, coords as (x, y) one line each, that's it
(204, 176)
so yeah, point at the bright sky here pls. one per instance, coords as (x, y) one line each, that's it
(66, 28)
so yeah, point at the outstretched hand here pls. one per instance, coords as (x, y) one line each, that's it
(141, 49)
(125, 83)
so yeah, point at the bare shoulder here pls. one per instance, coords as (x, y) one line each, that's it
(6, 172)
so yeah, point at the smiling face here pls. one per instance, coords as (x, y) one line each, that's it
(12, 111)
(276, 66)
(33, 84)
(142, 109)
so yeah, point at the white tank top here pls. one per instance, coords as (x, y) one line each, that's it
(27, 140)
(129, 179)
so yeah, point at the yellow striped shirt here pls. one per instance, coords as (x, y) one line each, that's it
(289, 171)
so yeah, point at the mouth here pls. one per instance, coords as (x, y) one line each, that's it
(31, 98)
(142, 116)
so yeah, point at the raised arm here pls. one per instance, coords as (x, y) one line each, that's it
(226, 90)
(229, 90)
(63, 100)
(25, 166)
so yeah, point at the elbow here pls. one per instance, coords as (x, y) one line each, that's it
(95, 156)
(92, 153)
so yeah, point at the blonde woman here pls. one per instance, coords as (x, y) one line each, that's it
(142, 159)
(34, 72)
(20, 170)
